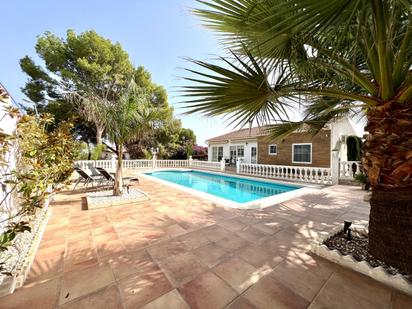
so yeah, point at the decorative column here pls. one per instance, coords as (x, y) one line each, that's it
(190, 161)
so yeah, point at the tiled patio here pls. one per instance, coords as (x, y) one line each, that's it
(179, 251)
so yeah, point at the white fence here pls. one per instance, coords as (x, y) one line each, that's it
(348, 169)
(208, 165)
(317, 175)
(146, 164)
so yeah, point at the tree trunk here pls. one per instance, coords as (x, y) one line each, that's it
(99, 134)
(118, 180)
(388, 162)
(390, 227)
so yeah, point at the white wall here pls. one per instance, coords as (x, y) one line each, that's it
(226, 148)
(341, 128)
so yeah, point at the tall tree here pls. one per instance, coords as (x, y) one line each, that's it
(340, 56)
(79, 63)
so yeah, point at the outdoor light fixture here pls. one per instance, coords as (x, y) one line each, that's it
(346, 229)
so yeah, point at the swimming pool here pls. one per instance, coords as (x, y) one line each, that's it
(236, 189)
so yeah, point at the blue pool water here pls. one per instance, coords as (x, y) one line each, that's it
(239, 190)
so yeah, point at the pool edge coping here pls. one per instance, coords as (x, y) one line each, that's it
(256, 204)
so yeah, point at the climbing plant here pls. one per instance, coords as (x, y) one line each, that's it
(34, 161)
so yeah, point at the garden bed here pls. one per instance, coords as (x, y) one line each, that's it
(101, 199)
(335, 246)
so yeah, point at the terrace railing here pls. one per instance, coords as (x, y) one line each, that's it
(318, 175)
(149, 164)
(93, 163)
(348, 169)
(207, 165)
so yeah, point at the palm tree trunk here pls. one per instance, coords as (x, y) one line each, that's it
(99, 134)
(118, 180)
(388, 162)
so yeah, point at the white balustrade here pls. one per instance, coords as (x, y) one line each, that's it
(348, 169)
(147, 164)
(318, 175)
(206, 165)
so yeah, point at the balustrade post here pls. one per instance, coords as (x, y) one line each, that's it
(190, 161)
(154, 163)
(334, 167)
(113, 162)
(238, 166)
(222, 165)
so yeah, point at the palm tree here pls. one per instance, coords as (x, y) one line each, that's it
(331, 58)
(125, 120)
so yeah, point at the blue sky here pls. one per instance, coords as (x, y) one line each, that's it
(156, 34)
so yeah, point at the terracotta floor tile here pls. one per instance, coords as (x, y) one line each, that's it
(79, 256)
(401, 301)
(207, 291)
(193, 240)
(346, 289)
(169, 300)
(108, 298)
(269, 293)
(274, 239)
(110, 247)
(140, 289)
(55, 251)
(233, 243)
(181, 268)
(134, 243)
(258, 257)
(174, 230)
(211, 254)
(215, 232)
(79, 283)
(124, 264)
(39, 296)
(166, 248)
(241, 303)
(251, 234)
(70, 266)
(232, 225)
(305, 279)
(44, 268)
(239, 274)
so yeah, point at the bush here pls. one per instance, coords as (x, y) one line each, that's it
(43, 160)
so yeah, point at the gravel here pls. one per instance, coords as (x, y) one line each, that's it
(357, 247)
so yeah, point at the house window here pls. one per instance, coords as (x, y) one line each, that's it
(240, 151)
(217, 153)
(273, 149)
(302, 153)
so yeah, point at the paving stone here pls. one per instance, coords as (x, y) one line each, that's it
(207, 291)
(181, 268)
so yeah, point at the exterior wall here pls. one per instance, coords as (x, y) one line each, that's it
(321, 149)
(225, 150)
(7, 127)
(341, 129)
(247, 144)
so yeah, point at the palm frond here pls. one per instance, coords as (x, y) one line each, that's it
(245, 91)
